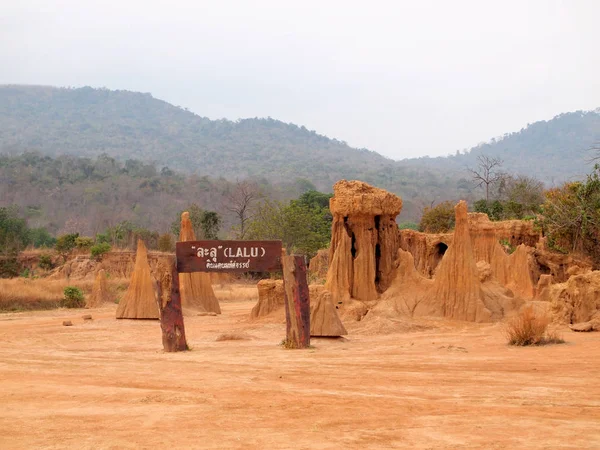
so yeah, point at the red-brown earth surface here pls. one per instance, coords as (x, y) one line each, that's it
(107, 384)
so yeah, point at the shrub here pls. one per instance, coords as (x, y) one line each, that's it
(73, 298)
(99, 249)
(9, 267)
(507, 246)
(66, 243)
(102, 238)
(45, 262)
(438, 219)
(527, 328)
(40, 237)
(84, 242)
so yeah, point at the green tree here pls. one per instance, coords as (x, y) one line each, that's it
(301, 228)
(99, 249)
(314, 199)
(438, 219)
(83, 242)
(571, 217)
(65, 244)
(210, 224)
(14, 234)
(206, 224)
(40, 237)
(493, 209)
(518, 197)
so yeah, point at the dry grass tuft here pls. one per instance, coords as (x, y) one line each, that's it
(233, 337)
(527, 328)
(236, 292)
(25, 294)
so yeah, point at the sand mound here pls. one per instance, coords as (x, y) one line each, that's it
(139, 301)
(100, 294)
(270, 298)
(324, 320)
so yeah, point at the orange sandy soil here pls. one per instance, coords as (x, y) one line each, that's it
(107, 384)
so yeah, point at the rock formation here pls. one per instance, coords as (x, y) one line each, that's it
(514, 232)
(324, 320)
(139, 301)
(270, 298)
(456, 292)
(319, 264)
(100, 293)
(577, 300)
(460, 290)
(364, 240)
(427, 249)
(196, 288)
(517, 271)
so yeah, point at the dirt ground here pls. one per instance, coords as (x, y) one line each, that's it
(107, 384)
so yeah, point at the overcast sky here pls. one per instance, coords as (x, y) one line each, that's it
(403, 78)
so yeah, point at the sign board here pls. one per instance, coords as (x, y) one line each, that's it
(228, 256)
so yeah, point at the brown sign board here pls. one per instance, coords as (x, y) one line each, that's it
(228, 256)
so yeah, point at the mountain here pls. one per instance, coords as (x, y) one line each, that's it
(122, 124)
(127, 125)
(554, 151)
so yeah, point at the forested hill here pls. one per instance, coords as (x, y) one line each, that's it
(126, 125)
(557, 150)
(89, 122)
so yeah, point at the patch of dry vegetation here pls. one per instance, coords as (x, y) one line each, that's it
(527, 328)
(23, 294)
(233, 337)
(236, 292)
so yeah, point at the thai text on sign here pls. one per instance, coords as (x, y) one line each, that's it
(228, 256)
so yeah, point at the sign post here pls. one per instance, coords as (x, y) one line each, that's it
(171, 315)
(254, 256)
(228, 256)
(297, 302)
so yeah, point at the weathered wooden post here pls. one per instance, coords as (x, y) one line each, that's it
(297, 302)
(171, 315)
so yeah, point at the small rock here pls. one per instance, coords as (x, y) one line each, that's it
(204, 313)
(67, 323)
(87, 317)
(583, 326)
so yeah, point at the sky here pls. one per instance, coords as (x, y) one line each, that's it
(403, 78)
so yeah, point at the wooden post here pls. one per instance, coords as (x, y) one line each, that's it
(297, 302)
(171, 316)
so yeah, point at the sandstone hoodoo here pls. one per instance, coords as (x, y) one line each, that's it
(196, 288)
(139, 301)
(456, 292)
(364, 240)
(100, 293)
(324, 320)
(461, 289)
(270, 298)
